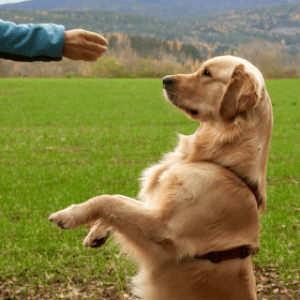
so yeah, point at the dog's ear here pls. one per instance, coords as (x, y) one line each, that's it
(240, 95)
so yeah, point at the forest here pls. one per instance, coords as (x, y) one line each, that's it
(163, 46)
(227, 29)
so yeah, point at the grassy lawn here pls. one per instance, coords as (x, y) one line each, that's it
(63, 141)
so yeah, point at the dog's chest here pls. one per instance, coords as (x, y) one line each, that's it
(156, 177)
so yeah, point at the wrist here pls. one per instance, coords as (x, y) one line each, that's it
(66, 39)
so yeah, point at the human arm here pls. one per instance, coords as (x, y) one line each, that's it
(31, 42)
(48, 42)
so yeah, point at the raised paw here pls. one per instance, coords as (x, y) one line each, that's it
(64, 219)
(96, 243)
(97, 236)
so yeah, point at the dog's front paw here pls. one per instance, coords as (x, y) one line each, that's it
(64, 219)
(97, 236)
(96, 242)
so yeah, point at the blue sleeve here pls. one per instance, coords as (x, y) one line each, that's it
(31, 42)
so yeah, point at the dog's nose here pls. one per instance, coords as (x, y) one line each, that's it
(168, 82)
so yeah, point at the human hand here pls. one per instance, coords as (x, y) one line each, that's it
(80, 44)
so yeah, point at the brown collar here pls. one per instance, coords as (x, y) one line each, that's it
(253, 186)
(216, 257)
(241, 252)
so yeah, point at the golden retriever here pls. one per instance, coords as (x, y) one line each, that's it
(197, 226)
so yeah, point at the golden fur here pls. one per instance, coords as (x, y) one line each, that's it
(201, 198)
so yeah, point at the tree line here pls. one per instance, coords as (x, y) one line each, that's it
(230, 28)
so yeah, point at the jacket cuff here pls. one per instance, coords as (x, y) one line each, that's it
(54, 47)
(16, 57)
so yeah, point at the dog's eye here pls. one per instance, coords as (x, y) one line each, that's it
(206, 73)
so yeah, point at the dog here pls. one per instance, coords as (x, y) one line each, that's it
(197, 225)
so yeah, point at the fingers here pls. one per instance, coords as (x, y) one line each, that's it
(95, 43)
(97, 49)
(96, 38)
(92, 37)
(86, 55)
(93, 54)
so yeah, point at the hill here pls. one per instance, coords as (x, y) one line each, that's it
(225, 29)
(164, 9)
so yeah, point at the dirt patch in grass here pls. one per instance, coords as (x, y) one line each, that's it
(271, 286)
(268, 281)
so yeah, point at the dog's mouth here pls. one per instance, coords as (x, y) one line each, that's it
(194, 112)
(173, 98)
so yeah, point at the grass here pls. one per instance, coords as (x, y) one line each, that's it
(63, 141)
(279, 238)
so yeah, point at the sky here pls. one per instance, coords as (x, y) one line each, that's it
(9, 1)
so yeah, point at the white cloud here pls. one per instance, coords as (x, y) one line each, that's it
(10, 1)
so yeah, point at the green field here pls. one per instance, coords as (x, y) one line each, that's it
(63, 141)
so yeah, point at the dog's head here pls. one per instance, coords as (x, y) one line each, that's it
(224, 88)
(229, 97)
